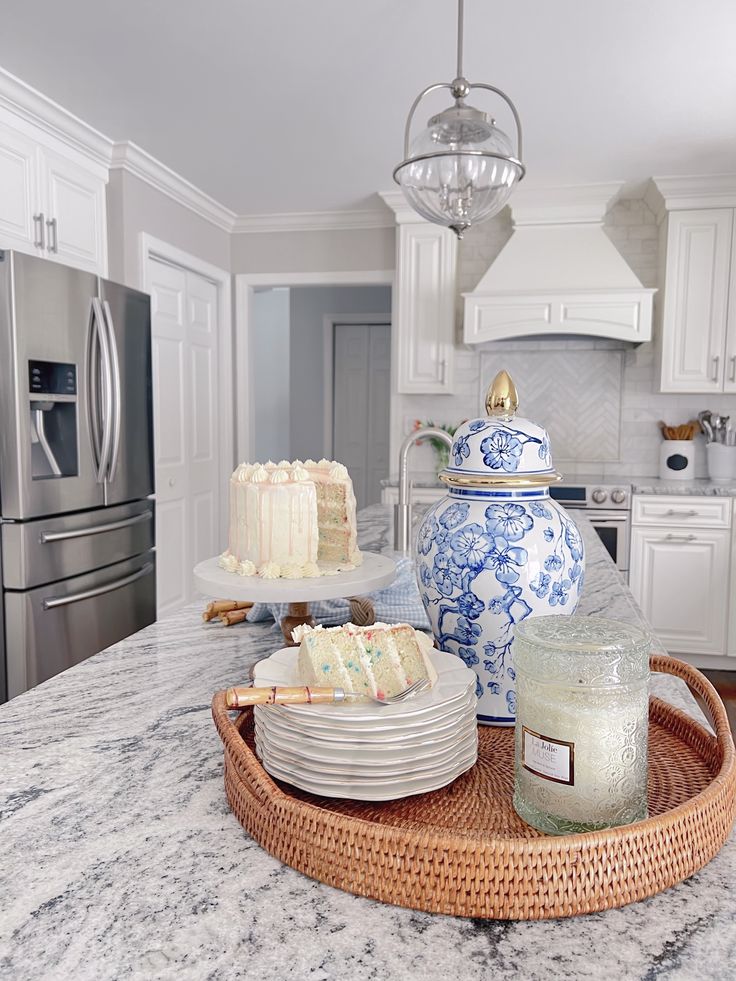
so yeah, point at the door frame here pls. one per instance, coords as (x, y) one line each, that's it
(329, 322)
(245, 284)
(156, 249)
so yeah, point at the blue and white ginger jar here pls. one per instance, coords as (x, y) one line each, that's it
(497, 549)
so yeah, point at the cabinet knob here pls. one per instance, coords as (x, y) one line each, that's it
(171, 481)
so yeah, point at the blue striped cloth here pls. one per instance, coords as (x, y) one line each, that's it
(397, 603)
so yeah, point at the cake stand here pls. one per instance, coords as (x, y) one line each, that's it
(375, 572)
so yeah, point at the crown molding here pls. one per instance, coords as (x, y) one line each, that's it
(131, 158)
(403, 212)
(313, 221)
(37, 109)
(665, 194)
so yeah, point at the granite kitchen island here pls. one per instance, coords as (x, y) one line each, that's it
(121, 858)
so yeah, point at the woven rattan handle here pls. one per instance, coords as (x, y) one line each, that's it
(698, 683)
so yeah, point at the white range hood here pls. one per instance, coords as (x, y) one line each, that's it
(559, 273)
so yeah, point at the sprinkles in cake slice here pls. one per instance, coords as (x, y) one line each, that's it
(381, 660)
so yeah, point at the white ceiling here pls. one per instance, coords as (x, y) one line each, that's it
(299, 105)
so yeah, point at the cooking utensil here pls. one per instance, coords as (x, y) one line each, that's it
(719, 424)
(237, 698)
(704, 420)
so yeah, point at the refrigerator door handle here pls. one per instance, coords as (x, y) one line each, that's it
(47, 537)
(116, 391)
(57, 601)
(107, 390)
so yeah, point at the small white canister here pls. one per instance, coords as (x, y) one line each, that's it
(676, 459)
(721, 462)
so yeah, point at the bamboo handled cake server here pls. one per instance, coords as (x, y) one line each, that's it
(238, 698)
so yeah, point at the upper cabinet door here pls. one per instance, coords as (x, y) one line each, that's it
(19, 193)
(729, 384)
(76, 228)
(424, 319)
(696, 300)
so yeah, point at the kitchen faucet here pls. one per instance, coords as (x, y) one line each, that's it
(402, 510)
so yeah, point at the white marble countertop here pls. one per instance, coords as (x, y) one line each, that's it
(699, 487)
(121, 859)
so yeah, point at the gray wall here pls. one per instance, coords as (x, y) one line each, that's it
(271, 375)
(134, 206)
(309, 305)
(327, 251)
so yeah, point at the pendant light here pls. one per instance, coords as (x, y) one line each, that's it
(461, 169)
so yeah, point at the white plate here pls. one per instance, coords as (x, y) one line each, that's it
(379, 750)
(453, 679)
(372, 734)
(381, 791)
(369, 769)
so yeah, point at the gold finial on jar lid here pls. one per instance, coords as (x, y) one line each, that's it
(502, 398)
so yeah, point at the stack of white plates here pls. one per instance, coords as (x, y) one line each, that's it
(367, 751)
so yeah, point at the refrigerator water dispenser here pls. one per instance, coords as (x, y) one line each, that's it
(53, 408)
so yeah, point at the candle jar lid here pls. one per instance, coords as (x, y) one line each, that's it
(579, 650)
(500, 448)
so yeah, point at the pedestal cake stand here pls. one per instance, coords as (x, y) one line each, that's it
(375, 572)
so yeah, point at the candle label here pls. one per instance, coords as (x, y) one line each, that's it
(551, 759)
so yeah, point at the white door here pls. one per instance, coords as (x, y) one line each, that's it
(184, 321)
(19, 193)
(696, 300)
(680, 578)
(76, 229)
(361, 403)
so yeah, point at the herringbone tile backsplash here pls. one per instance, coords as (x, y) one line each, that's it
(575, 394)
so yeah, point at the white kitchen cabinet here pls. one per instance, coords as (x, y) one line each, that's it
(698, 323)
(423, 303)
(18, 192)
(680, 571)
(52, 199)
(76, 229)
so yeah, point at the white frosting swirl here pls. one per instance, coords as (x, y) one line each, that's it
(228, 562)
(299, 473)
(324, 463)
(310, 463)
(311, 570)
(246, 568)
(338, 471)
(284, 463)
(259, 475)
(270, 570)
(291, 570)
(298, 463)
(279, 476)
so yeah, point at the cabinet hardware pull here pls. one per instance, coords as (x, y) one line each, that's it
(680, 538)
(38, 230)
(732, 369)
(672, 513)
(716, 362)
(443, 371)
(53, 235)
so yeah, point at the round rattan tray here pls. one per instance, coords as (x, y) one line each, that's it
(464, 851)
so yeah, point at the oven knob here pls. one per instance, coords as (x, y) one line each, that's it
(618, 496)
(599, 496)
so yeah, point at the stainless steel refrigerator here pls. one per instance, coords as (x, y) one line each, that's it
(76, 468)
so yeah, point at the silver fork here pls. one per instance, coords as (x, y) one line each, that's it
(238, 698)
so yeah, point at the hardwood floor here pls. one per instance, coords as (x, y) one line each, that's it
(725, 684)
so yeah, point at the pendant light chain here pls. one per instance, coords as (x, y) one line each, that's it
(460, 19)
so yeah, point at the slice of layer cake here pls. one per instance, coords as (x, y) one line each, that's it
(336, 512)
(379, 660)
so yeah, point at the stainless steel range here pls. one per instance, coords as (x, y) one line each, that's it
(609, 507)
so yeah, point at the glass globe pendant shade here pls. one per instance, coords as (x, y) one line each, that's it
(460, 169)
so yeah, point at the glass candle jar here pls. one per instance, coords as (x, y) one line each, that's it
(582, 686)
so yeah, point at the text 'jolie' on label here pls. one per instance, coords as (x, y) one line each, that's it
(551, 759)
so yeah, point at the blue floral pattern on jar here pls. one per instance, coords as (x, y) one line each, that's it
(485, 565)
